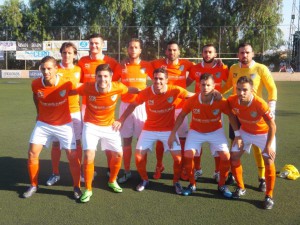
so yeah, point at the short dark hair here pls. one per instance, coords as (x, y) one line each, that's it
(243, 45)
(96, 35)
(206, 76)
(245, 79)
(49, 58)
(161, 70)
(209, 45)
(135, 40)
(67, 45)
(104, 67)
(173, 42)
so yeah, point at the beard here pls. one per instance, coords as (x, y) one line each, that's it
(209, 61)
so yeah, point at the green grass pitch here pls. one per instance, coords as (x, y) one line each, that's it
(156, 205)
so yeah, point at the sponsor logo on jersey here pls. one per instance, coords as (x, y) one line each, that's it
(253, 114)
(150, 102)
(114, 97)
(170, 99)
(87, 65)
(181, 68)
(143, 70)
(196, 111)
(234, 75)
(216, 111)
(92, 98)
(218, 74)
(40, 94)
(62, 93)
(252, 76)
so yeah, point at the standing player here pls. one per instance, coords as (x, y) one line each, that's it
(50, 95)
(160, 102)
(206, 126)
(89, 63)
(69, 72)
(102, 96)
(258, 128)
(261, 77)
(133, 73)
(220, 73)
(177, 70)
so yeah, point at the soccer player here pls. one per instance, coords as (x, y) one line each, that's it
(160, 100)
(206, 126)
(70, 72)
(258, 128)
(209, 65)
(134, 73)
(88, 66)
(261, 77)
(177, 70)
(50, 95)
(102, 96)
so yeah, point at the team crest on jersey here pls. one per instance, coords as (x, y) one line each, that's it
(253, 114)
(150, 102)
(216, 111)
(59, 74)
(196, 111)
(234, 74)
(218, 74)
(87, 65)
(143, 70)
(62, 93)
(77, 75)
(92, 98)
(114, 97)
(170, 99)
(253, 76)
(181, 68)
(198, 74)
(40, 94)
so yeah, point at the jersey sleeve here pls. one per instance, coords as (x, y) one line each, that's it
(228, 85)
(269, 83)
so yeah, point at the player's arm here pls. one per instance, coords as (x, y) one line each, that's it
(75, 91)
(268, 117)
(237, 135)
(189, 81)
(35, 100)
(133, 90)
(178, 122)
(189, 94)
(118, 123)
(270, 85)
(228, 85)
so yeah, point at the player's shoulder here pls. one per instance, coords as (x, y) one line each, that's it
(36, 82)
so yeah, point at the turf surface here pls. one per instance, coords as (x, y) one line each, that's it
(157, 205)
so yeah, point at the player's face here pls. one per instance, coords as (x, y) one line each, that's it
(244, 91)
(49, 70)
(134, 50)
(96, 45)
(68, 55)
(103, 79)
(159, 82)
(172, 52)
(209, 54)
(245, 55)
(207, 86)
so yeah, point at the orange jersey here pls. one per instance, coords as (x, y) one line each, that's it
(177, 74)
(251, 116)
(160, 108)
(72, 75)
(205, 118)
(88, 68)
(52, 102)
(220, 75)
(133, 75)
(100, 107)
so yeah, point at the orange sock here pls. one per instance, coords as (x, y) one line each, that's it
(108, 157)
(189, 167)
(159, 154)
(182, 143)
(217, 163)
(88, 170)
(33, 170)
(237, 171)
(114, 166)
(270, 176)
(127, 152)
(197, 161)
(74, 167)
(140, 162)
(55, 158)
(224, 170)
(176, 168)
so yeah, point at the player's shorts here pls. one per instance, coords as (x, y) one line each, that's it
(109, 139)
(184, 127)
(44, 133)
(148, 138)
(133, 125)
(259, 140)
(216, 139)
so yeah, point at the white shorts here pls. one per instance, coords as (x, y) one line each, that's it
(216, 139)
(184, 127)
(148, 138)
(109, 139)
(259, 140)
(44, 133)
(133, 125)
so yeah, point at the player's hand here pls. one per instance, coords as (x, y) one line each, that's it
(219, 62)
(172, 139)
(217, 95)
(238, 141)
(116, 126)
(125, 61)
(268, 151)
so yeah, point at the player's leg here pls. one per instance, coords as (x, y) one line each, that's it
(74, 165)
(159, 150)
(55, 158)
(260, 167)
